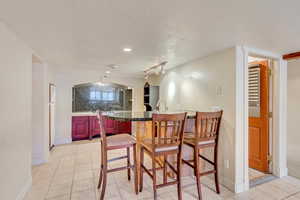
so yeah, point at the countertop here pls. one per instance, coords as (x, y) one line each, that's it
(84, 114)
(75, 114)
(141, 116)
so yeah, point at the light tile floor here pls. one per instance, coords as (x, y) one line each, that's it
(254, 174)
(73, 170)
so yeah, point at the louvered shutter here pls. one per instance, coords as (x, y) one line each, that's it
(254, 91)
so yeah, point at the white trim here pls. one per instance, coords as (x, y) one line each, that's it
(226, 182)
(25, 189)
(280, 115)
(241, 157)
(37, 160)
(293, 172)
(241, 133)
(261, 53)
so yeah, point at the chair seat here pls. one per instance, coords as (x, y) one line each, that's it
(120, 140)
(147, 143)
(191, 140)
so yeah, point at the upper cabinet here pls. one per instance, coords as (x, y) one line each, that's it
(151, 96)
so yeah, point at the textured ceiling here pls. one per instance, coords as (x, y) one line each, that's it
(91, 34)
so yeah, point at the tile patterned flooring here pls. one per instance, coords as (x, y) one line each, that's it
(73, 170)
(254, 174)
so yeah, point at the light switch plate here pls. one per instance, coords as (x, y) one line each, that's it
(219, 90)
(226, 164)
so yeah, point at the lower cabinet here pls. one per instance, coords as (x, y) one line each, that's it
(80, 128)
(124, 127)
(94, 126)
(86, 127)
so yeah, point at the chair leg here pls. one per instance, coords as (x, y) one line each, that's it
(165, 178)
(101, 170)
(135, 170)
(100, 178)
(179, 162)
(154, 177)
(197, 171)
(141, 169)
(104, 177)
(216, 170)
(128, 162)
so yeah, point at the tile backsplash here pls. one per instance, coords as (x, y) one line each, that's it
(105, 97)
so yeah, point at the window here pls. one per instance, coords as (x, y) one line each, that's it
(108, 96)
(95, 95)
(99, 95)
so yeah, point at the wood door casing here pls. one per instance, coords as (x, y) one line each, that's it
(259, 126)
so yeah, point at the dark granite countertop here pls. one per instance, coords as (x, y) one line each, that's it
(141, 116)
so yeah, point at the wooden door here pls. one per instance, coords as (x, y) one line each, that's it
(259, 115)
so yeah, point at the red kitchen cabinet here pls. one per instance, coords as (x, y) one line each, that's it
(80, 127)
(84, 127)
(110, 125)
(94, 126)
(124, 127)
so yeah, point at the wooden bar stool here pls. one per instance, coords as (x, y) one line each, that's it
(114, 142)
(206, 136)
(167, 139)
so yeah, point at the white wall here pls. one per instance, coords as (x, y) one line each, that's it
(293, 120)
(15, 118)
(200, 85)
(66, 79)
(40, 114)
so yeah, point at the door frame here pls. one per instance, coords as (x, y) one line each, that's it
(51, 85)
(279, 115)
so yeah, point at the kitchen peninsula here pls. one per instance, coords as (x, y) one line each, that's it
(142, 129)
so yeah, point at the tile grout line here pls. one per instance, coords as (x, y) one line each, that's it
(62, 158)
(73, 178)
(291, 195)
(93, 179)
(52, 177)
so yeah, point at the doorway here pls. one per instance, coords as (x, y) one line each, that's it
(52, 96)
(278, 127)
(260, 119)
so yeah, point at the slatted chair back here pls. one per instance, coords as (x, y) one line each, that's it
(207, 125)
(167, 129)
(100, 118)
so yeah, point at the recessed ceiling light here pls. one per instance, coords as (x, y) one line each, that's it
(127, 49)
(108, 72)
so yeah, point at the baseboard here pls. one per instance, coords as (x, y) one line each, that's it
(229, 184)
(281, 172)
(38, 161)
(60, 141)
(285, 172)
(294, 173)
(25, 189)
(241, 187)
